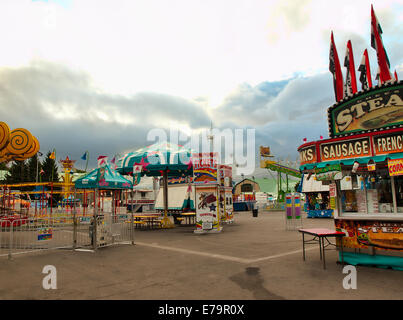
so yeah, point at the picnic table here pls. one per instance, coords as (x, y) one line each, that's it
(149, 220)
(319, 236)
(190, 217)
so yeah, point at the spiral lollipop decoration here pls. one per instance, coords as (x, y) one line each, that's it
(4, 156)
(4, 135)
(20, 142)
(31, 152)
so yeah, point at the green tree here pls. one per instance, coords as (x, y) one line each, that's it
(18, 172)
(3, 166)
(34, 168)
(50, 168)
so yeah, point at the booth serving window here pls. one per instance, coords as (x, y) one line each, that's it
(373, 193)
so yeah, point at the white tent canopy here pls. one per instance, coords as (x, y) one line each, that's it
(313, 185)
(176, 197)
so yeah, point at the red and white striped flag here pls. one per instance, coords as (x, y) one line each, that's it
(364, 68)
(102, 160)
(335, 69)
(351, 81)
(378, 77)
(377, 44)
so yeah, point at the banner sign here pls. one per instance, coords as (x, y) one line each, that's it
(373, 109)
(395, 167)
(332, 195)
(346, 149)
(45, 234)
(385, 144)
(330, 172)
(205, 167)
(307, 155)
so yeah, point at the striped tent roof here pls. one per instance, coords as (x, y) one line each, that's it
(158, 157)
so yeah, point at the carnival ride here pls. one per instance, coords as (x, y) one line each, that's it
(266, 162)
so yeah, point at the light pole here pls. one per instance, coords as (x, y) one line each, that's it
(37, 164)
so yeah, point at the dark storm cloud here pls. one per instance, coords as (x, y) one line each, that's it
(65, 111)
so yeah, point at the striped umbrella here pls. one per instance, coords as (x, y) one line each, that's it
(156, 159)
(160, 159)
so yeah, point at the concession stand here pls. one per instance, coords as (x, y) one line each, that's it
(362, 163)
(317, 197)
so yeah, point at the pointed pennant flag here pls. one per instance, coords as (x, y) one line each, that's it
(365, 75)
(377, 44)
(378, 77)
(396, 76)
(190, 164)
(113, 160)
(52, 155)
(84, 156)
(102, 160)
(335, 69)
(351, 82)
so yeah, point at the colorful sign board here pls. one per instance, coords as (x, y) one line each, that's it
(385, 144)
(332, 195)
(206, 209)
(395, 167)
(205, 166)
(346, 149)
(374, 109)
(307, 155)
(330, 172)
(45, 234)
(378, 234)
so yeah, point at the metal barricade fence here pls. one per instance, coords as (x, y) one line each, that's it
(114, 229)
(23, 235)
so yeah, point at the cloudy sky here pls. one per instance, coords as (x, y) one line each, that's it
(98, 75)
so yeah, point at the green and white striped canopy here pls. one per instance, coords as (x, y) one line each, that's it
(103, 178)
(157, 158)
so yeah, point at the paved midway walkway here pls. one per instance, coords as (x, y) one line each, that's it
(255, 258)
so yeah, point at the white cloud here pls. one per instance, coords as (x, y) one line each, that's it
(186, 48)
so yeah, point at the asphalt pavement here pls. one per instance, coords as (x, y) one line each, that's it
(253, 258)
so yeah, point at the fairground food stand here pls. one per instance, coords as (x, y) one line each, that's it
(362, 163)
(317, 197)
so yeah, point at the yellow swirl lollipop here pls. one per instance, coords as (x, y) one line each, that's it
(31, 152)
(20, 141)
(5, 156)
(4, 135)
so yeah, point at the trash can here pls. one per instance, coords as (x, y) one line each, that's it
(254, 212)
